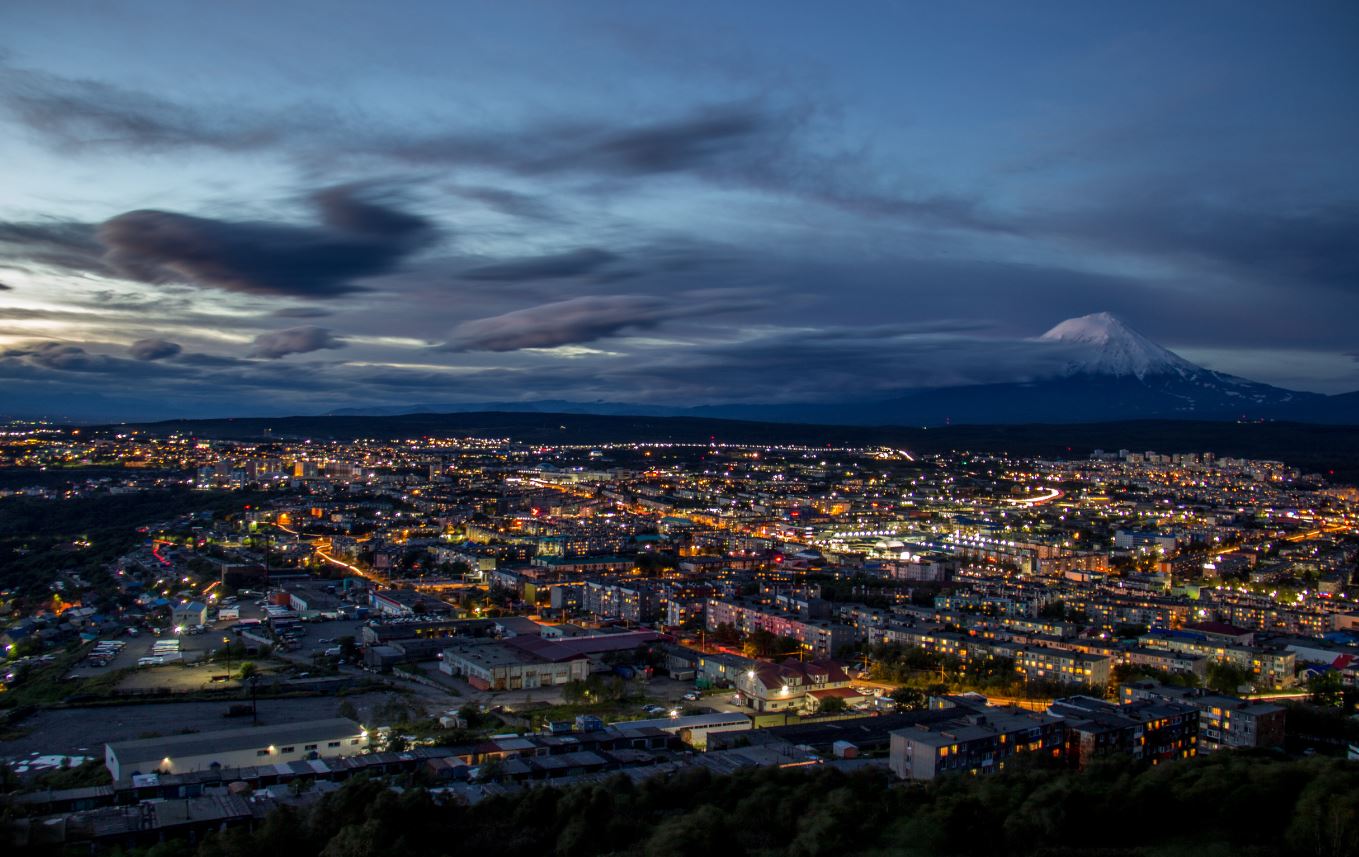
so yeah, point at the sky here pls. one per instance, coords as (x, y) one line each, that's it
(269, 208)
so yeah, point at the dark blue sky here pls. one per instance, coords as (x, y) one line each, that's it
(242, 208)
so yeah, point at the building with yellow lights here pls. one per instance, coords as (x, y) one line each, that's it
(236, 748)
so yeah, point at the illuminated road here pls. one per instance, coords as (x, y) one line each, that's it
(155, 551)
(1040, 499)
(315, 543)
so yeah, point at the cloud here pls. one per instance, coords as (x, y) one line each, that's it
(508, 202)
(302, 312)
(358, 238)
(154, 349)
(294, 340)
(571, 264)
(832, 364)
(703, 138)
(55, 243)
(6, 288)
(586, 319)
(65, 357)
(1277, 243)
(750, 143)
(78, 113)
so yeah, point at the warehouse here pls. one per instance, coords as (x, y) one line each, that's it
(235, 748)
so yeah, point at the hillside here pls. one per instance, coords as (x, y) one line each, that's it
(1328, 449)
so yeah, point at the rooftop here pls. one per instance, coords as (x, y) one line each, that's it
(228, 740)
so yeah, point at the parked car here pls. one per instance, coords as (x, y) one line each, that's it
(693, 696)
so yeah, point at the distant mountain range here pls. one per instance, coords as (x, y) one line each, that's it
(1118, 374)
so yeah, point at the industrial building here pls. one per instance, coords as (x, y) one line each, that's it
(235, 748)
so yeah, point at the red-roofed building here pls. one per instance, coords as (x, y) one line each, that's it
(787, 686)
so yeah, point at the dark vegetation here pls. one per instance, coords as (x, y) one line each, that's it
(38, 537)
(1230, 804)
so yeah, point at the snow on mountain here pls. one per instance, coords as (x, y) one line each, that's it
(1115, 349)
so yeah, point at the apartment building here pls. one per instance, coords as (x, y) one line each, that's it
(976, 742)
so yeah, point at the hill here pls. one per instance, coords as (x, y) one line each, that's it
(1331, 450)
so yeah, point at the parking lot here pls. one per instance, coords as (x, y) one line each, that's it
(315, 638)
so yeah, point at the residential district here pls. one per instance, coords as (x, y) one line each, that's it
(198, 631)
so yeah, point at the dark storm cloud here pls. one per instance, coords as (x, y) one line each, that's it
(154, 349)
(571, 264)
(590, 318)
(294, 340)
(358, 238)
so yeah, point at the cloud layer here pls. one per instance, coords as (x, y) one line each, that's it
(676, 209)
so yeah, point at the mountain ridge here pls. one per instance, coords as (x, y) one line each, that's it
(1115, 373)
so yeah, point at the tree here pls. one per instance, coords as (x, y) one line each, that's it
(1226, 678)
(1326, 689)
(248, 670)
(832, 705)
(760, 643)
(910, 699)
(726, 634)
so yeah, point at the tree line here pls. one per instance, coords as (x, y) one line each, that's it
(1234, 804)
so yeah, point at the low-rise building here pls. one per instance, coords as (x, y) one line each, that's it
(789, 686)
(189, 615)
(491, 665)
(236, 748)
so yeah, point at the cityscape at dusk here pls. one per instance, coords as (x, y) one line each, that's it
(637, 429)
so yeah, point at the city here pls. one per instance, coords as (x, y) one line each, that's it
(616, 429)
(486, 616)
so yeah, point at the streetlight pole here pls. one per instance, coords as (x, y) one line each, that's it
(227, 641)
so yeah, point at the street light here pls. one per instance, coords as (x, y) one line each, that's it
(227, 642)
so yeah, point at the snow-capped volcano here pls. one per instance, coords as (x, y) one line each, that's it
(1116, 349)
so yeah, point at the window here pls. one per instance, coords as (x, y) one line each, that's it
(333, 744)
(309, 747)
(287, 749)
(263, 752)
(353, 741)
